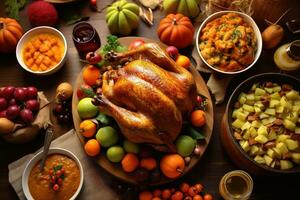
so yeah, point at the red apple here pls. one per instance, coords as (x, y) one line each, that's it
(93, 58)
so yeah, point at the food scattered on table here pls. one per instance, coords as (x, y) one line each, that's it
(190, 8)
(266, 124)
(59, 179)
(112, 126)
(18, 105)
(41, 13)
(122, 17)
(185, 191)
(176, 30)
(42, 52)
(63, 103)
(10, 33)
(228, 43)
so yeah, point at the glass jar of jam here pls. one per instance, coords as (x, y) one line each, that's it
(287, 57)
(236, 185)
(85, 38)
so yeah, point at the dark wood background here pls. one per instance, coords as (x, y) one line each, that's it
(215, 162)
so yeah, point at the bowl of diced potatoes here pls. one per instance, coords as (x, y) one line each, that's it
(42, 50)
(261, 125)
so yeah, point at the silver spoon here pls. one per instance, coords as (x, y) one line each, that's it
(47, 142)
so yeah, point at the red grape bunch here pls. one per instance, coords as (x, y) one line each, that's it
(19, 104)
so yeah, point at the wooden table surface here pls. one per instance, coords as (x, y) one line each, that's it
(214, 164)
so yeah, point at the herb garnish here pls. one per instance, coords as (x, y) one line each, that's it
(12, 7)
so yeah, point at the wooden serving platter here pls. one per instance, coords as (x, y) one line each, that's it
(115, 169)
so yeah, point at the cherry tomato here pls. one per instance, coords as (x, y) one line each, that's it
(208, 197)
(177, 196)
(166, 193)
(136, 43)
(197, 197)
(55, 187)
(198, 187)
(184, 187)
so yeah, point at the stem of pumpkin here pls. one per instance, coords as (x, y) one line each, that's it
(174, 21)
(180, 171)
(1, 25)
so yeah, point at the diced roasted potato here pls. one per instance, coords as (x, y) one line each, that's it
(261, 139)
(286, 164)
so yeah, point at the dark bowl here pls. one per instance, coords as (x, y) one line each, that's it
(235, 152)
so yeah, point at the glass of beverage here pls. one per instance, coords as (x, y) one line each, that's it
(85, 38)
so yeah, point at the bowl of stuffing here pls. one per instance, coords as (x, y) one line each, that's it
(229, 42)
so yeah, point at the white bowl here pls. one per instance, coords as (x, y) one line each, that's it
(36, 31)
(37, 158)
(249, 20)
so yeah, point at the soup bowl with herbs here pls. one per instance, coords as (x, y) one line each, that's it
(61, 178)
(229, 42)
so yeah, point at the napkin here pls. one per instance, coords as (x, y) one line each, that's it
(95, 184)
(217, 84)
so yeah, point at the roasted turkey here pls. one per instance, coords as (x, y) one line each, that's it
(148, 96)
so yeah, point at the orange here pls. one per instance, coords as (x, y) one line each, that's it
(148, 163)
(92, 147)
(130, 162)
(198, 118)
(88, 128)
(90, 75)
(145, 195)
(183, 61)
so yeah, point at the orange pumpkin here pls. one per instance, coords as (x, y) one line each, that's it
(172, 165)
(176, 30)
(10, 33)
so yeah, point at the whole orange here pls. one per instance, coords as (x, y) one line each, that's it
(172, 165)
(198, 118)
(145, 195)
(90, 75)
(92, 147)
(130, 162)
(183, 61)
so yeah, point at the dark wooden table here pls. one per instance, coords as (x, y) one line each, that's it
(215, 162)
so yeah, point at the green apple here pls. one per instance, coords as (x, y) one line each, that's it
(115, 153)
(185, 145)
(86, 109)
(131, 147)
(107, 136)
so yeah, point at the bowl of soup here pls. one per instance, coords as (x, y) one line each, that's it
(61, 178)
(42, 50)
(229, 42)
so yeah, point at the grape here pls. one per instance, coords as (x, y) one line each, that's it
(3, 103)
(26, 115)
(3, 113)
(66, 118)
(31, 93)
(32, 105)
(57, 109)
(12, 112)
(61, 118)
(20, 94)
(12, 102)
(8, 92)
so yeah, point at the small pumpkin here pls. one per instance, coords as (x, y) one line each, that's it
(176, 30)
(122, 17)
(10, 33)
(190, 8)
(172, 165)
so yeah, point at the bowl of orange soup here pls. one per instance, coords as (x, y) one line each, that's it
(61, 178)
(42, 50)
